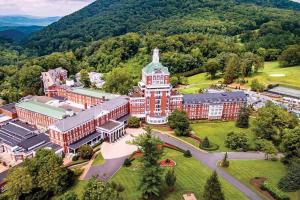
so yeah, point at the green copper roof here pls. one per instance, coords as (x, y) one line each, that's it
(151, 67)
(44, 109)
(94, 93)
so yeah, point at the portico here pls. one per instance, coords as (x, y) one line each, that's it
(112, 130)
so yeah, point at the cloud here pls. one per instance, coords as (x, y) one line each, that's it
(41, 7)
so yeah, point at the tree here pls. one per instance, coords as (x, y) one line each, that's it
(237, 141)
(243, 117)
(85, 78)
(212, 66)
(268, 148)
(291, 143)
(119, 81)
(133, 122)
(70, 195)
(270, 122)
(213, 188)
(29, 79)
(257, 86)
(232, 69)
(85, 151)
(19, 182)
(225, 161)
(251, 63)
(290, 56)
(205, 143)
(291, 181)
(170, 179)
(151, 172)
(100, 190)
(179, 121)
(174, 80)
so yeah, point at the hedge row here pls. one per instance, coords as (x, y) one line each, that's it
(212, 147)
(276, 193)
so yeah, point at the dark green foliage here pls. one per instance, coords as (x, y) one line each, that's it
(85, 152)
(205, 143)
(97, 189)
(133, 122)
(290, 56)
(243, 117)
(237, 141)
(225, 161)
(151, 172)
(257, 86)
(187, 154)
(213, 188)
(276, 193)
(291, 181)
(70, 195)
(212, 66)
(119, 80)
(271, 121)
(41, 177)
(75, 157)
(84, 78)
(174, 81)
(291, 143)
(170, 178)
(179, 121)
(169, 17)
(127, 162)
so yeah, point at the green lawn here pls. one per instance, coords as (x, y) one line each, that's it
(191, 176)
(78, 188)
(216, 132)
(248, 169)
(99, 160)
(290, 78)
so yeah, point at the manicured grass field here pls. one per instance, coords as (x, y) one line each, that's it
(216, 131)
(191, 176)
(99, 160)
(267, 75)
(78, 188)
(247, 169)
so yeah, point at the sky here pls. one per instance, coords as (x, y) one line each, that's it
(41, 8)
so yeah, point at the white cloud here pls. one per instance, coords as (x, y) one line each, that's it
(41, 7)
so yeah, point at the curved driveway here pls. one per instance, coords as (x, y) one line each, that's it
(211, 159)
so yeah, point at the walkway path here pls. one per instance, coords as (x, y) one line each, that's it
(211, 160)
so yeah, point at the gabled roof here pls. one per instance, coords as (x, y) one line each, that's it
(214, 97)
(44, 109)
(89, 114)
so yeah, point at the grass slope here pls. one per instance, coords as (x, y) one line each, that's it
(290, 78)
(191, 176)
(216, 132)
(248, 169)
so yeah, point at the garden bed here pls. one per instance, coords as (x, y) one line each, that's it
(257, 182)
(212, 147)
(167, 163)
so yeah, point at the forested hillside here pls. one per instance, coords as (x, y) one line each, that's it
(106, 18)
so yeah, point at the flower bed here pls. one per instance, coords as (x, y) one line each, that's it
(167, 163)
(212, 147)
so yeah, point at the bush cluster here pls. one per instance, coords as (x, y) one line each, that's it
(276, 193)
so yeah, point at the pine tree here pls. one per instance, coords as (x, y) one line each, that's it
(170, 179)
(243, 117)
(205, 143)
(213, 188)
(225, 162)
(151, 172)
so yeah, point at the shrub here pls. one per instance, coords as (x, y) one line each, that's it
(133, 122)
(127, 162)
(276, 193)
(187, 154)
(225, 161)
(77, 171)
(205, 143)
(75, 158)
(85, 152)
(257, 86)
(237, 141)
(291, 181)
(212, 147)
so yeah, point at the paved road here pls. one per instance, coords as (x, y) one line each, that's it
(107, 170)
(211, 159)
